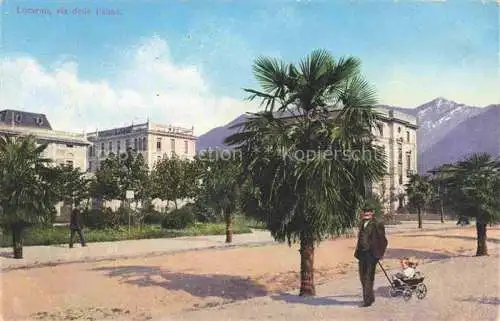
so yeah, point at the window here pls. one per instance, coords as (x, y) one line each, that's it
(144, 144)
(408, 160)
(186, 149)
(407, 136)
(39, 121)
(135, 144)
(400, 179)
(102, 149)
(118, 147)
(127, 144)
(172, 145)
(90, 167)
(399, 129)
(158, 144)
(110, 147)
(400, 155)
(69, 162)
(140, 143)
(91, 151)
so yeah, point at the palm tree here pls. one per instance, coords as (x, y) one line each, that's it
(220, 188)
(419, 193)
(474, 188)
(26, 193)
(308, 155)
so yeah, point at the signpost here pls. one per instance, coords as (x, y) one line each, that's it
(129, 195)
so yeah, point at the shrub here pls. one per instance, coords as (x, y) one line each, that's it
(60, 234)
(153, 217)
(100, 219)
(179, 218)
(204, 213)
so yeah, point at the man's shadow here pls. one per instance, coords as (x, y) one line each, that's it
(315, 301)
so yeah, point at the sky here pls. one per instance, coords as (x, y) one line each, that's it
(185, 63)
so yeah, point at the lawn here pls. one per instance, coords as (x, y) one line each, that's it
(60, 234)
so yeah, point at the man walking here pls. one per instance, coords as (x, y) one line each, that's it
(369, 250)
(75, 226)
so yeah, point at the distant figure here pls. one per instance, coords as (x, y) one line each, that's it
(75, 225)
(463, 220)
(370, 248)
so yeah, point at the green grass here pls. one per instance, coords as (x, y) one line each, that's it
(60, 234)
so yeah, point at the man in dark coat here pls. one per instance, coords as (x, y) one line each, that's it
(369, 250)
(75, 226)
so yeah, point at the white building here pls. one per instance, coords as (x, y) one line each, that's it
(62, 147)
(397, 133)
(153, 141)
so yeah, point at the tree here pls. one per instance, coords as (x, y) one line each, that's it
(419, 193)
(27, 196)
(221, 186)
(117, 174)
(439, 190)
(172, 179)
(474, 188)
(106, 184)
(308, 155)
(71, 184)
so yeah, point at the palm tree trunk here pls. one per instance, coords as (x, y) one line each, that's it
(17, 241)
(229, 226)
(419, 213)
(482, 248)
(307, 287)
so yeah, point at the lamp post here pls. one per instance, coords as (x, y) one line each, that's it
(129, 195)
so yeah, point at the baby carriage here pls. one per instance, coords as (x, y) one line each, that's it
(407, 286)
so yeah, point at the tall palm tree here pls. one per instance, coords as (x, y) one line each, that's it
(26, 193)
(308, 155)
(419, 191)
(475, 192)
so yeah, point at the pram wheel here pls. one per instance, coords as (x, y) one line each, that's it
(393, 292)
(407, 294)
(421, 291)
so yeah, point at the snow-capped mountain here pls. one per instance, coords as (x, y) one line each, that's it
(448, 131)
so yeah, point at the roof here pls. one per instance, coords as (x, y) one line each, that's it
(24, 119)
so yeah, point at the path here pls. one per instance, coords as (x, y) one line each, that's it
(460, 289)
(58, 254)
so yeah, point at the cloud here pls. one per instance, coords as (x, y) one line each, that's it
(151, 85)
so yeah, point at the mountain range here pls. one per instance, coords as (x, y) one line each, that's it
(448, 131)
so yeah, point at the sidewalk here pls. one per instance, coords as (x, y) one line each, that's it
(59, 254)
(457, 290)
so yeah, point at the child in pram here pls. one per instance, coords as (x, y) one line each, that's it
(407, 271)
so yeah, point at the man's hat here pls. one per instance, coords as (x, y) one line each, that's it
(367, 208)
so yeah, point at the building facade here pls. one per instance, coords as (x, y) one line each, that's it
(153, 141)
(62, 147)
(397, 135)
